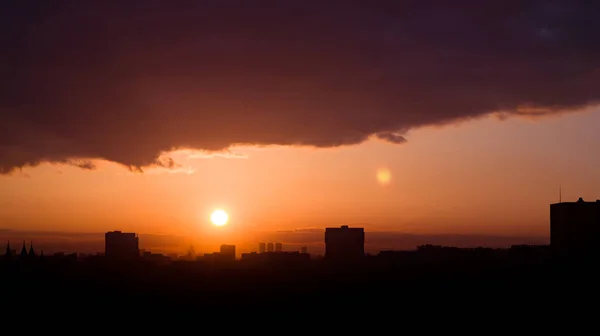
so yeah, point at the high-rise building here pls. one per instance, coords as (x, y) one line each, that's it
(121, 245)
(262, 247)
(344, 243)
(270, 247)
(304, 250)
(278, 247)
(227, 252)
(575, 228)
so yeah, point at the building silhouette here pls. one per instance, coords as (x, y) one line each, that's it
(278, 247)
(262, 247)
(227, 252)
(344, 243)
(270, 247)
(121, 245)
(575, 228)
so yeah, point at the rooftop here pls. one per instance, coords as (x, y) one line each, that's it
(581, 201)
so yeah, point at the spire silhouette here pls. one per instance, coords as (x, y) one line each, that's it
(8, 253)
(24, 250)
(31, 251)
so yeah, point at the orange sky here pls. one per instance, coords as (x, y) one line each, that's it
(482, 176)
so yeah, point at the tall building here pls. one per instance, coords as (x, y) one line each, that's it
(262, 247)
(270, 247)
(304, 250)
(227, 252)
(344, 243)
(575, 228)
(121, 245)
(278, 247)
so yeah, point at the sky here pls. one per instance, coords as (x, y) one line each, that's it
(406, 117)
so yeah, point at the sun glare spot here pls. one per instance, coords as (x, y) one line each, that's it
(384, 176)
(219, 217)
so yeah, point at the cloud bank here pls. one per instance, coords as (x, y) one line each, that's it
(127, 81)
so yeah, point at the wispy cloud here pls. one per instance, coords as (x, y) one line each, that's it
(300, 230)
(211, 155)
(179, 170)
(163, 170)
(157, 170)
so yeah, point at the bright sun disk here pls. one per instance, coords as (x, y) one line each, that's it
(219, 217)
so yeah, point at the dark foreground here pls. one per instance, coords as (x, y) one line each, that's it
(313, 285)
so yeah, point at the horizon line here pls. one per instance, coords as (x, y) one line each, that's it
(278, 231)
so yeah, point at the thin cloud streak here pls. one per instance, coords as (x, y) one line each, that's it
(212, 155)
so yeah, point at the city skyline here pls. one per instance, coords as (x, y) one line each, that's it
(573, 238)
(292, 240)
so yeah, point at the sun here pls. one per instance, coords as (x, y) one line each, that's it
(219, 217)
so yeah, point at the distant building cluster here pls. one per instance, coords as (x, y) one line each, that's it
(273, 253)
(270, 247)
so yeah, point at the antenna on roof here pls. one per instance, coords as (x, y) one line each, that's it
(559, 193)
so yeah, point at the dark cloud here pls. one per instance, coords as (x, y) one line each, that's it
(127, 80)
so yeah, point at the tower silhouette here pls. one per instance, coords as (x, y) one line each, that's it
(31, 251)
(8, 254)
(23, 251)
